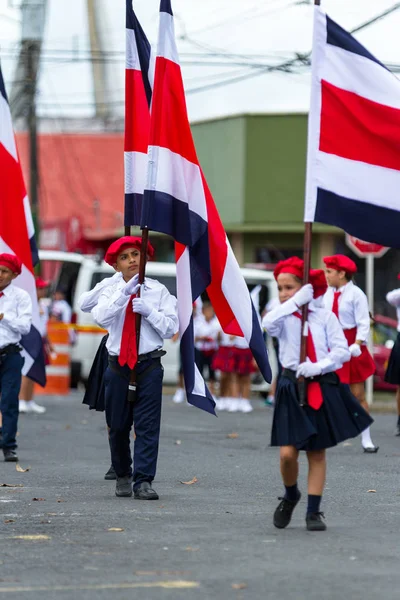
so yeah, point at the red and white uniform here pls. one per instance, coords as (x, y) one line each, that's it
(353, 315)
(206, 329)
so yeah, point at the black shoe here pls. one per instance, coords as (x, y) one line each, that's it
(284, 511)
(124, 486)
(372, 450)
(111, 474)
(314, 521)
(144, 491)
(10, 455)
(397, 430)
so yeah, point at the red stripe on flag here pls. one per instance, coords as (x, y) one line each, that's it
(218, 258)
(137, 115)
(359, 129)
(179, 250)
(13, 228)
(169, 107)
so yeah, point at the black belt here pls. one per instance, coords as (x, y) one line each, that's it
(10, 349)
(153, 356)
(329, 378)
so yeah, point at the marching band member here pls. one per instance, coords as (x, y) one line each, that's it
(115, 312)
(349, 303)
(392, 374)
(330, 414)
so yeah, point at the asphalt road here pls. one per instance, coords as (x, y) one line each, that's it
(212, 539)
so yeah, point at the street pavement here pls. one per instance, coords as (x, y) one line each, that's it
(64, 534)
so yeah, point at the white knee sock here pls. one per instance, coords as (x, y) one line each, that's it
(366, 438)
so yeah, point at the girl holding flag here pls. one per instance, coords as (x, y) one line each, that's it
(350, 305)
(330, 414)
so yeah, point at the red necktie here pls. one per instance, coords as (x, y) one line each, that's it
(128, 352)
(1, 294)
(335, 305)
(314, 392)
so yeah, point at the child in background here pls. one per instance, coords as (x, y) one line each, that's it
(392, 374)
(223, 362)
(243, 367)
(206, 330)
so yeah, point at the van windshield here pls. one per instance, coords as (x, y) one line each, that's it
(62, 275)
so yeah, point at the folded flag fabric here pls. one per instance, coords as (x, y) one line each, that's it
(353, 163)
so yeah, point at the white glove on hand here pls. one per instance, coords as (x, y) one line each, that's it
(304, 295)
(132, 287)
(141, 307)
(308, 369)
(355, 350)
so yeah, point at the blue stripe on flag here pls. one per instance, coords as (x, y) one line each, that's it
(3, 87)
(166, 7)
(259, 348)
(336, 36)
(33, 344)
(34, 251)
(188, 367)
(200, 268)
(143, 47)
(133, 209)
(37, 372)
(365, 221)
(166, 214)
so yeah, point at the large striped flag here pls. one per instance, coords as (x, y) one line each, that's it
(138, 91)
(353, 163)
(178, 202)
(17, 234)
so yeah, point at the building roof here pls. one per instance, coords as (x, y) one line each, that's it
(81, 175)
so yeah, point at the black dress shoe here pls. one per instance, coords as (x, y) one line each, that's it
(372, 450)
(111, 474)
(314, 521)
(10, 455)
(124, 486)
(144, 491)
(284, 511)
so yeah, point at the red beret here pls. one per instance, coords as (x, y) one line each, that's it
(340, 262)
(318, 281)
(128, 241)
(12, 262)
(293, 265)
(41, 283)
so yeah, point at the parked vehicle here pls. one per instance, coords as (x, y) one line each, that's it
(384, 335)
(78, 273)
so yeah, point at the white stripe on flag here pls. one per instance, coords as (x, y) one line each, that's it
(28, 218)
(361, 76)
(177, 177)
(132, 56)
(135, 172)
(237, 294)
(358, 181)
(6, 130)
(166, 41)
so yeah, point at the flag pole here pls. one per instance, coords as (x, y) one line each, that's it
(304, 313)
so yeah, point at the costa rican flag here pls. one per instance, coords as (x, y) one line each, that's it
(178, 202)
(353, 163)
(138, 91)
(17, 235)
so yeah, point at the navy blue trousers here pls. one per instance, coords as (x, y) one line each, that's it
(145, 413)
(10, 384)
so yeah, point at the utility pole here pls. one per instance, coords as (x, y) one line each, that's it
(23, 93)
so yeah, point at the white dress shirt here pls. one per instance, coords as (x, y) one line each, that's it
(330, 344)
(161, 324)
(353, 309)
(209, 329)
(16, 305)
(62, 310)
(88, 300)
(393, 298)
(225, 339)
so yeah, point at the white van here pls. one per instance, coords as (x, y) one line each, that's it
(78, 273)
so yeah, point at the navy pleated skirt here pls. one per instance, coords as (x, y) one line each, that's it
(340, 417)
(392, 374)
(95, 391)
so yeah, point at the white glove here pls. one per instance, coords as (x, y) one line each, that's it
(308, 369)
(132, 287)
(304, 295)
(140, 306)
(355, 350)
